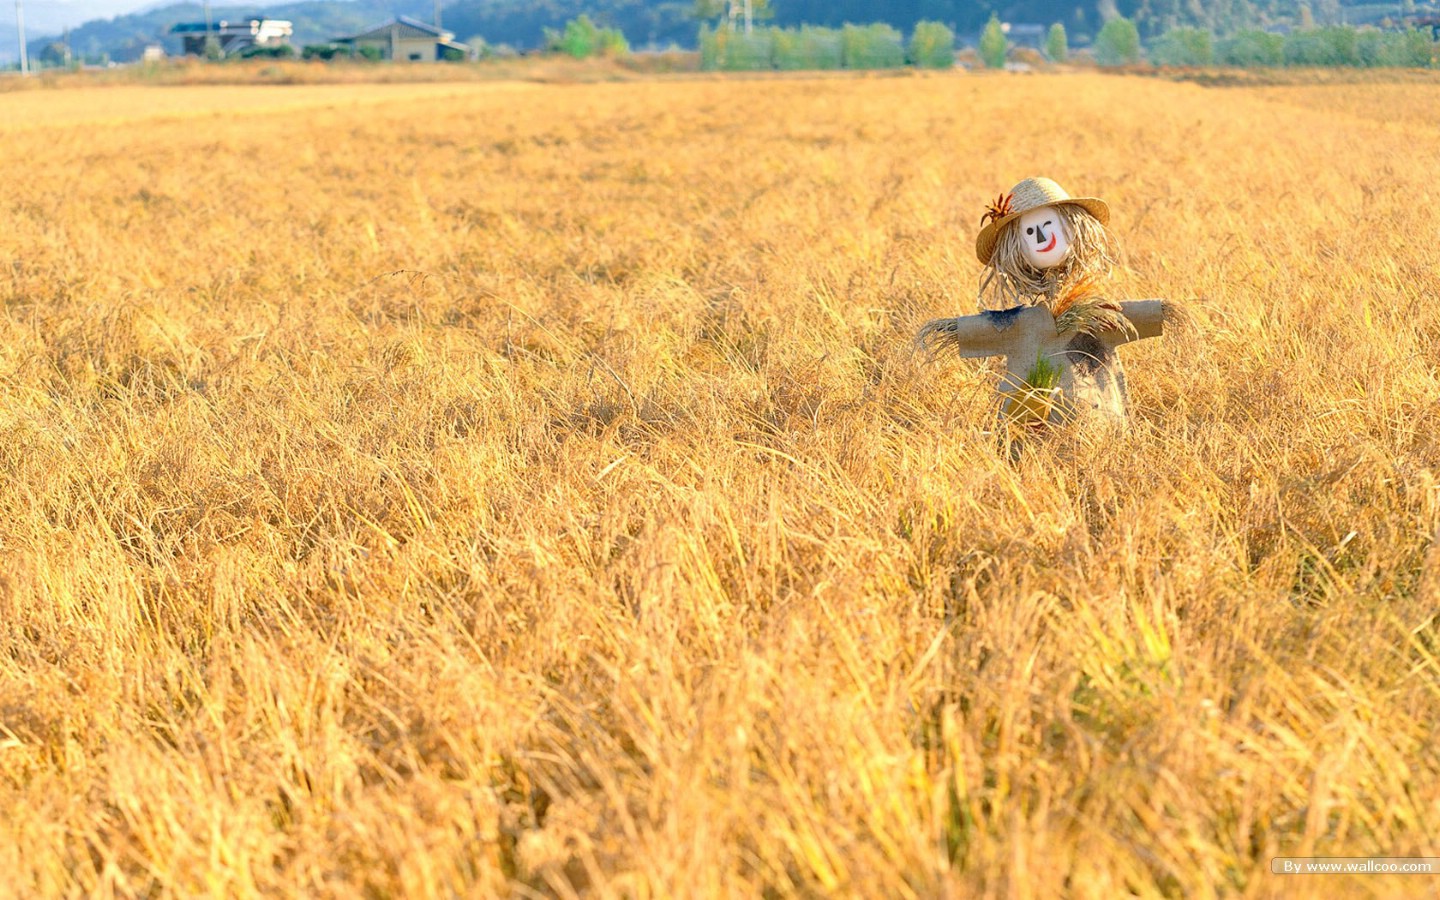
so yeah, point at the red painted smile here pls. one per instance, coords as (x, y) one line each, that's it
(1050, 246)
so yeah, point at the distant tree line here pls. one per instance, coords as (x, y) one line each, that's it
(1332, 45)
(876, 46)
(1118, 44)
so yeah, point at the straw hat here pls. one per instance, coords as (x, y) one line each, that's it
(1032, 193)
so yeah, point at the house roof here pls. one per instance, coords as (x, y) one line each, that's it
(197, 27)
(403, 27)
(247, 25)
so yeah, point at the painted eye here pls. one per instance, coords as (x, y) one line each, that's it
(1030, 230)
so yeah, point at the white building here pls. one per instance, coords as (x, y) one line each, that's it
(233, 37)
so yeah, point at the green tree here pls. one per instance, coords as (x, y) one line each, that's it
(1057, 46)
(1251, 47)
(1333, 45)
(992, 43)
(272, 51)
(1183, 47)
(932, 46)
(612, 42)
(1341, 45)
(581, 38)
(1413, 48)
(712, 47)
(1118, 43)
(325, 52)
(731, 50)
(823, 48)
(1304, 48)
(875, 46)
(807, 48)
(1376, 48)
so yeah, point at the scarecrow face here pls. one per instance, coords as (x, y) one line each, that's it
(1044, 236)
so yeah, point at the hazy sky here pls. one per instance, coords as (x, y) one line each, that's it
(71, 12)
(44, 17)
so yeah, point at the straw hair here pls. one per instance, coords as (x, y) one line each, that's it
(1010, 279)
(1033, 193)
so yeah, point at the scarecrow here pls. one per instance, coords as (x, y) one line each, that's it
(1044, 309)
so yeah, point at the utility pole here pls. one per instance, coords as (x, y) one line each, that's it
(20, 27)
(437, 15)
(740, 10)
(205, 47)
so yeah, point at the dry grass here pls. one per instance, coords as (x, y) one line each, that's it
(1290, 76)
(533, 489)
(188, 71)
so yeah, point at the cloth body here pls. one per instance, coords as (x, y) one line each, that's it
(1050, 376)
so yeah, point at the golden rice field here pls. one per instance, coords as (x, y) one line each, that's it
(532, 489)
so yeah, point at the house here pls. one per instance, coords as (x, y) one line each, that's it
(1025, 34)
(408, 40)
(233, 37)
(1430, 22)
